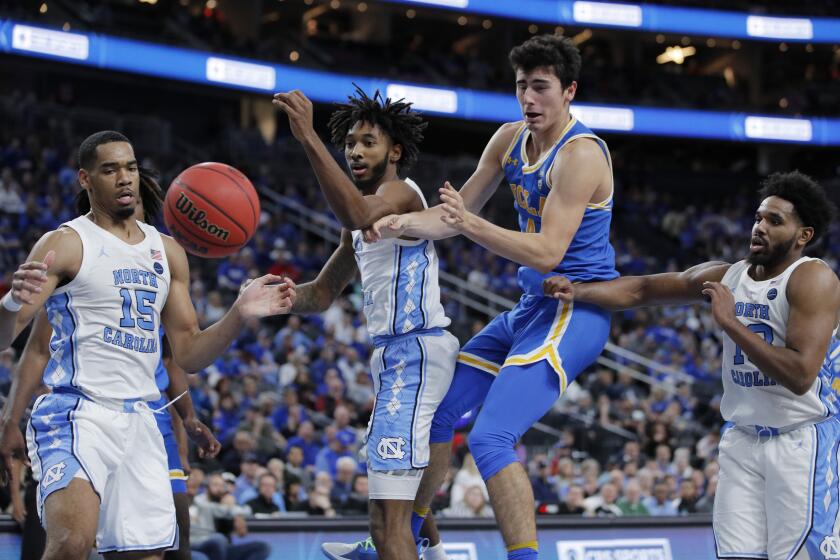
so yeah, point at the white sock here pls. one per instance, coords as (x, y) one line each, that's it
(435, 552)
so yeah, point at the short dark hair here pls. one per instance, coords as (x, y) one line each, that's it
(87, 149)
(810, 201)
(556, 52)
(403, 125)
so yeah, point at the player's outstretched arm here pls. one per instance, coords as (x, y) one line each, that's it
(576, 180)
(25, 382)
(341, 268)
(627, 292)
(195, 349)
(55, 257)
(431, 223)
(813, 293)
(353, 210)
(178, 394)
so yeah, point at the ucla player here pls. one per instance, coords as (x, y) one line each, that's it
(107, 281)
(778, 492)
(414, 357)
(561, 178)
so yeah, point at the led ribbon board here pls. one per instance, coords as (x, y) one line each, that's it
(650, 18)
(174, 63)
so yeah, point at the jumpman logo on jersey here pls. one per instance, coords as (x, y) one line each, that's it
(102, 252)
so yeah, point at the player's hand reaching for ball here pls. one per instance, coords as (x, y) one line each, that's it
(299, 110)
(206, 443)
(388, 227)
(265, 296)
(29, 278)
(559, 287)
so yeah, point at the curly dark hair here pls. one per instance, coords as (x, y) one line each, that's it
(559, 53)
(810, 201)
(403, 125)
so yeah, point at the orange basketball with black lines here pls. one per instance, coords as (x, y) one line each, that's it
(211, 209)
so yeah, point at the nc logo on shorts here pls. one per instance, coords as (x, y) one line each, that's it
(460, 550)
(615, 549)
(54, 474)
(830, 547)
(391, 448)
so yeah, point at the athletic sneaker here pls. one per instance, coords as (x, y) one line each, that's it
(362, 550)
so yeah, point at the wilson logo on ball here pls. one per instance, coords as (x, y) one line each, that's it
(199, 217)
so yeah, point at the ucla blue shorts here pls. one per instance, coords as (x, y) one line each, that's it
(568, 337)
(177, 477)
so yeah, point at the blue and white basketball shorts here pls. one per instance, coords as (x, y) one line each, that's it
(411, 374)
(778, 496)
(566, 337)
(120, 451)
(177, 477)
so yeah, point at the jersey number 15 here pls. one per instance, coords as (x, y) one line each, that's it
(144, 317)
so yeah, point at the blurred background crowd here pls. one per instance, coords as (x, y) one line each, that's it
(291, 398)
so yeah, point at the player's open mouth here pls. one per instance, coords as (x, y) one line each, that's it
(126, 198)
(358, 169)
(531, 115)
(757, 244)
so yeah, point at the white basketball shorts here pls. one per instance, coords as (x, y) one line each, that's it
(778, 496)
(120, 452)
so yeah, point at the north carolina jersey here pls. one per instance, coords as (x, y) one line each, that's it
(590, 257)
(749, 396)
(161, 375)
(105, 321)
(399, 283)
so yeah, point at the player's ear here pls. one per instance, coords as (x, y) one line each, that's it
(569, 92)
(806, 234)
(84, 179)
(395, 153)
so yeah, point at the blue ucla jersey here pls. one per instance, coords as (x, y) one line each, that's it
(161, 376)
(590, 257)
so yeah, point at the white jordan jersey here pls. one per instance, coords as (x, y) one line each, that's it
(751, 397)
(399, 283)
(105, 321)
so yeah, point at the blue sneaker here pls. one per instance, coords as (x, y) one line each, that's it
(362, 550)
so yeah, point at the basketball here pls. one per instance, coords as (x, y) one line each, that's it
(211, 209)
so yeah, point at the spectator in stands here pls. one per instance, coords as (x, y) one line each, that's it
(466, 477)
(339, 444)
(295, 468)
(543, 484)
(346, 468)
(473, 504)
(246, 483)
(659, 504)
(687, 502)
(631, 503)
(357, 501)
(268, 500)
(605, 502)
(208, 508)
(319, 497)
(573, 504)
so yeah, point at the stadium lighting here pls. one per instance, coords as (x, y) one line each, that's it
(675, 54)
(152, 2)
(43, 9)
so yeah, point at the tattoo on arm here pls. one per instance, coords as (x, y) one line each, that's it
(316, 296)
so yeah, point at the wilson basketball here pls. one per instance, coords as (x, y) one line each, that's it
(211, 209)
